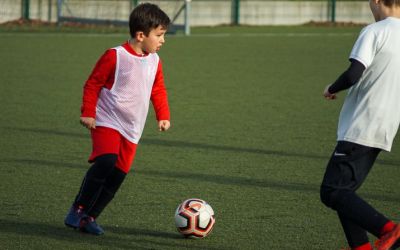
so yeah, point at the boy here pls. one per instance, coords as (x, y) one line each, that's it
(368, 123)
(115, 104)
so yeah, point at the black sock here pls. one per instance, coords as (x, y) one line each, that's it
(107, 193)
(94, 180)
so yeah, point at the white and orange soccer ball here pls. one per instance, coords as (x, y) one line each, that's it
(194, 218)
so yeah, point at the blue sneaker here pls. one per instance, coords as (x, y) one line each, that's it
(89, 225)
(74, 217)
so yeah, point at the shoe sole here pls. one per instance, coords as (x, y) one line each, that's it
(70, 225)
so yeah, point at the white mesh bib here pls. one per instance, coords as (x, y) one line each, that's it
(125, 106)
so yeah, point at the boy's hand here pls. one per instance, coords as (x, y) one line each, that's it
(163, 125)
(88, 122)
(328, 95)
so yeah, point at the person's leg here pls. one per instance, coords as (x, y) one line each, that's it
(106, 145)
(110, 188)
(346, 171)
(355, 235)
(94, 180)
(90, 189)
(115, 178)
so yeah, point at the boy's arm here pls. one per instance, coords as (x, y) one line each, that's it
(101, 76)
(347, 79)
(159, 96)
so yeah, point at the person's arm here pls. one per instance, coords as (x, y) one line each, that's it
(101, 76)
(160, 100)
(347, 79)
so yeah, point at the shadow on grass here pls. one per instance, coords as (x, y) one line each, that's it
(202, 146)
(134, 231)
(84, 134)
(232, 180)
(29, 162)
(215, 179)
(115, 237)
(251, 182)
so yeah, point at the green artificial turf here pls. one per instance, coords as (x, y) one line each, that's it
(251, 134)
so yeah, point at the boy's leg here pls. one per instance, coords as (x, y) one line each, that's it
(110, 188)
(90, 188)
(94, 180)
(346, 171)
(114, 180)
(106, 145)
(355, 235)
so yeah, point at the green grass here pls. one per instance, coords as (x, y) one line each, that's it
(251, 134)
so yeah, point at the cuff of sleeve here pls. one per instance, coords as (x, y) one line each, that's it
(331, 90)
(163, 117)
(88, 113)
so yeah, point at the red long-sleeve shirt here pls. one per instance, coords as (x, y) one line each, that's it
(103, 76)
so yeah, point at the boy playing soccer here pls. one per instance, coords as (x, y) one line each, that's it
(116, 100)
(368, 124)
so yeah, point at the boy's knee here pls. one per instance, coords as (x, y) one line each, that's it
(102, 167)
(335, 197)
(329, 196)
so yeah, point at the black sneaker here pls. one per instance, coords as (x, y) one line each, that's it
(74, 217)
(89, 225)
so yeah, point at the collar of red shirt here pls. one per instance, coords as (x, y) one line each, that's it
(128, 48)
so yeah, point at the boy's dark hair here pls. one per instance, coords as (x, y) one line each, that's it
(146, 17)
(390, 3)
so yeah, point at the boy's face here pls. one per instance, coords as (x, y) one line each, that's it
(153, 42)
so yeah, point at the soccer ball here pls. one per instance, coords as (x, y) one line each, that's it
(194, 218)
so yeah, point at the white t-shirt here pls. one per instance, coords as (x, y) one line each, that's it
(370, 115)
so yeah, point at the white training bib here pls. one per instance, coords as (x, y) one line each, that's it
(125, 106)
